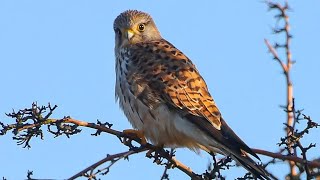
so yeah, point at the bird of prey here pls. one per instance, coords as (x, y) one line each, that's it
(164, 96)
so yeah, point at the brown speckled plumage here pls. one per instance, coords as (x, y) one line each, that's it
(162, 93)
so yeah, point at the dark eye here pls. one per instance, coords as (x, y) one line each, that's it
(141, 27)
(117, 31)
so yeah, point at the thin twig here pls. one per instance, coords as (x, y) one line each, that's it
(275, 56)
(286, 69)
(311, 164)
(106, 159)
(165, 175)
(304, 155)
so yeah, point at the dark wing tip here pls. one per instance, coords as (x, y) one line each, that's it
(229, 133)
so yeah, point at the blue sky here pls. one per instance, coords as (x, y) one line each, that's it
(62, 52)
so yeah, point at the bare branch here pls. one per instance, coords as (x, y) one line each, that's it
(168, 165)
(282, 9)
(25, 131)
(311, 164)
(117, 156)
(275, 56)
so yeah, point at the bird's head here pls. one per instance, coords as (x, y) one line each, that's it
(134, 26)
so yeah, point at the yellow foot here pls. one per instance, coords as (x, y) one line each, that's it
(136, 133)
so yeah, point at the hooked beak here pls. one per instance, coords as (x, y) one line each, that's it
(129, 34)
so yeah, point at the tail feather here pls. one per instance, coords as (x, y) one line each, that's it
(256, 170)
(230, 145)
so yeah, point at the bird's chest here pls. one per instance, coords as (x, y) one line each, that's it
(126, 98)
(131, 91)
(146, 110)
(139, 103)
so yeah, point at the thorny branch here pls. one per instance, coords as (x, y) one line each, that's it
(292, 139)
(90, 172)
(168, 165)
(30, 122)
(286, 67)
(310, 164)
(213, 170)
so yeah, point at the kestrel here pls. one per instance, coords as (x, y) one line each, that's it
(164, 96)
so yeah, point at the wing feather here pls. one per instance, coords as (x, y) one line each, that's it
(177, 80)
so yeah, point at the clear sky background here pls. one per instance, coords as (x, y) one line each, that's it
(62, 52)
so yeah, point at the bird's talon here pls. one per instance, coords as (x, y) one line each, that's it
(149, 153)
(136, 133)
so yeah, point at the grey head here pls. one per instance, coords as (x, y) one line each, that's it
(133, 27)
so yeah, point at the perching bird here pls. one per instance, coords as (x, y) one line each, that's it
(164, 96)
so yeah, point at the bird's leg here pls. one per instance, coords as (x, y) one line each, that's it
(136, 133)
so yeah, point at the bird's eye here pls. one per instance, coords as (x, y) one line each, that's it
(117, 31)
(141, 27)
